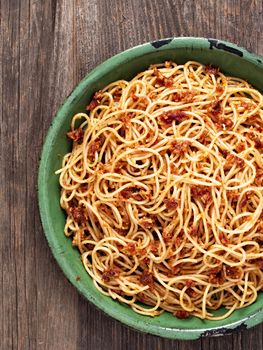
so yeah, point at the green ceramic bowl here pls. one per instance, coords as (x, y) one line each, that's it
(232, 60)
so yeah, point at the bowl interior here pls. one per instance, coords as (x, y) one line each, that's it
(232, 61)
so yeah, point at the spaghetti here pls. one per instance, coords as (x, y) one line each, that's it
(163, 191)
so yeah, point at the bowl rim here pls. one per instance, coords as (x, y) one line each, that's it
(172, 333)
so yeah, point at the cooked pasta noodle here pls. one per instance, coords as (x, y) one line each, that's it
(163, 191)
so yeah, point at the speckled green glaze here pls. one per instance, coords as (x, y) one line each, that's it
(232, 60)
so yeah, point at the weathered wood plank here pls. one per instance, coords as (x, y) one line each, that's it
(10, 98)
(35, 45)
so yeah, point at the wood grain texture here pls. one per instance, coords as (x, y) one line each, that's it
(45, 48)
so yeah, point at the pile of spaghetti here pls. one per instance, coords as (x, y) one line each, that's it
(163, 191)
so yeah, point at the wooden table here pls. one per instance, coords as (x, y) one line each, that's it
(47, 46)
